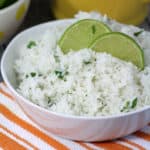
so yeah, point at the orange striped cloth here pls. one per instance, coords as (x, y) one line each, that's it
(17, 132)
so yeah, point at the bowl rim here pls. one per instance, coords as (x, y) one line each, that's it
(44, 110)
(11, 7)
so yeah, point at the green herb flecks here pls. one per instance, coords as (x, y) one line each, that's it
(138, 33)
(129, 105)
(61, 74)
(31, 44)
(33, 74)
(134, 103)
(51, 101)
(87, 62)
(93, 29)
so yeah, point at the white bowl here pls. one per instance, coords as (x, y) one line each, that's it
(71, 127)
(11, 17)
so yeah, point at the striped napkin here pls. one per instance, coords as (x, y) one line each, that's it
(17, 132)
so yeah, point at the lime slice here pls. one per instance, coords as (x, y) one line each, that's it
(120, 45)
(81, 34)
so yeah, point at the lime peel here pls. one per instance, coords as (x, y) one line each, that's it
(121, 46)
(81, 34)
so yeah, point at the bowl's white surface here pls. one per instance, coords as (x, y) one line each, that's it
(71, 127)
(9, 21)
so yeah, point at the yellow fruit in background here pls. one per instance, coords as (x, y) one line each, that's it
(126, 11)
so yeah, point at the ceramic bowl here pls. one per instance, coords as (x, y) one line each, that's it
(67, 126)
(11, 17)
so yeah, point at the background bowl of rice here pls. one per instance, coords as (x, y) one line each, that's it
(79, 128)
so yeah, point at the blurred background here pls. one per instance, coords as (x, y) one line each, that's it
(135, 12)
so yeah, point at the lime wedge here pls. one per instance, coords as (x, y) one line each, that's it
(120, 45)
(81, 34)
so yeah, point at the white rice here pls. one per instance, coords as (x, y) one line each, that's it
(84, 83)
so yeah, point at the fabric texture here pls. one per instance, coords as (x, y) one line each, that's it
(18, 132)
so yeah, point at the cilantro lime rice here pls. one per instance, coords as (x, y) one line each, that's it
(84, 82)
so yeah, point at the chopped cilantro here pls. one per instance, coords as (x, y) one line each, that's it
(138, 33)
(129, 105)
(49, 99)
(61, 74)
(33, 74)
(87, 62)
(134, 103)
(31, 44)
(93, 29)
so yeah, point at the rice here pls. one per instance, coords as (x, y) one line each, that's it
(85, 82)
